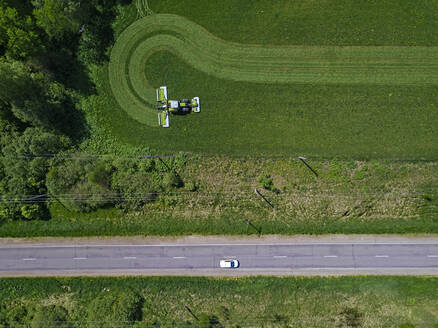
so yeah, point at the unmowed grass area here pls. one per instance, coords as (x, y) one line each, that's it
(218, 196)
(274, 302)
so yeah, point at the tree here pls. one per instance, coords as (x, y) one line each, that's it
(70, 183)
(18, 36)
(133, 182)
(115, 308)
(34, 99)
(24, 175)
(50, 16)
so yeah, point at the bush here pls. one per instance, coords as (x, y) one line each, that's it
(266, 181)
(171, 179)
(17, 316)
(115, 308)
(70, 183)
(208, 321)
(190, 186)
(133, 183)
(101, 175)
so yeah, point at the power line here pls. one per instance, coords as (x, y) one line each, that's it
(233, 195)
(230, 156)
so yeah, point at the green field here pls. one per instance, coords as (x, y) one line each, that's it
(232, 302)
(344, 98)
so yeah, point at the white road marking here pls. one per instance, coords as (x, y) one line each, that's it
(280, 256)
(29, 259)
(330, 256)
(79, 258)
(129, 257)
(382, 256)
(432, 255)
(179, 257)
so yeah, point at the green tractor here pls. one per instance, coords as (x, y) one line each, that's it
(181, 107)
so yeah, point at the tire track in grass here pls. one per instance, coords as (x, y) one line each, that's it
(253, 63)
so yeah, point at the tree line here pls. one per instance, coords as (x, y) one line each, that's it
(45, 49)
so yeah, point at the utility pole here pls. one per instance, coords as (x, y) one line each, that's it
(264, 198)
(190, 311)
(248, 223)
(302, 159)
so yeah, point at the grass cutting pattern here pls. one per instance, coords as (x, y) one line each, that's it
(250, 63)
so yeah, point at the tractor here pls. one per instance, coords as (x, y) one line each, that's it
(176, 107)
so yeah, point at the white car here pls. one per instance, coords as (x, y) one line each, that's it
(229, 264)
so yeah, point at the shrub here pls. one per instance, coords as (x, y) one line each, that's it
(208, 321)
(101, 175)
(190, 186)
(135, 187)
(115, 308)
(17, 316)
(171, 179)
(266, 181)
(69, 184)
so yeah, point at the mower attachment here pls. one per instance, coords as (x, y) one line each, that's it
(196, 105)
(163, 119)
(162, 94)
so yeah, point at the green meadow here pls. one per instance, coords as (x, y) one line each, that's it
(360, 301)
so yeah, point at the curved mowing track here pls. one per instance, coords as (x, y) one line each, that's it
(252, 63)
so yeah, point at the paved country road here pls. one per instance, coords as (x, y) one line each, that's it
(318, 257)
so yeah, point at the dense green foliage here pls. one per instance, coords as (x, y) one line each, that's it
(19, 38)
(41, 86)
(115, 308)
(86, 184)
(361, 301)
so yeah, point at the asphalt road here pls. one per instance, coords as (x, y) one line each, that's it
(256, 258)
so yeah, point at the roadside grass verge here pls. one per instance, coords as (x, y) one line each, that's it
(362, 301)
(361, 197)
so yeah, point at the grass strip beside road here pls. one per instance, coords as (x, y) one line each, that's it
(296, 301)
(347, 197)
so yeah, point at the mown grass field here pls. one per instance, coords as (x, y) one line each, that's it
(339, 113)
(273, 302)
(347, 197)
